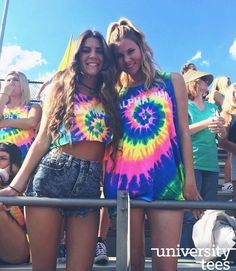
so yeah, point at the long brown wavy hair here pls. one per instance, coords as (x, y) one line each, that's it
(62, 109)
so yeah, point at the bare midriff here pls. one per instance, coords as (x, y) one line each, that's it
(85, 150)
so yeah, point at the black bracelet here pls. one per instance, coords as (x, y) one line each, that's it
(13, 188)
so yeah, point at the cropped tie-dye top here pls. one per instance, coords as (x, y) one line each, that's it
(91, 122)
(23, 138)
(149, 164)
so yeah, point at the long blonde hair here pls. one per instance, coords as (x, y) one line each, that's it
(24, 87)
(220, 83)
(229, 104)
(124, 29)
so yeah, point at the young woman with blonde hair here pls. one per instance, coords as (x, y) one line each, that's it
(218, 90)
(80, 118)
(154, 160)
(19, 117)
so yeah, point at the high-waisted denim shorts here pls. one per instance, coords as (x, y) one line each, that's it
(60, 175)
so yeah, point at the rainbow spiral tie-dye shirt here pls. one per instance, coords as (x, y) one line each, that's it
(90, 122)
(149, 163)
(23, 138)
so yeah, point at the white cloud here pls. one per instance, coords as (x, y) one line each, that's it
(14, 57)
(197, 56)
(205, 63)
(232, 50)
(46, 76)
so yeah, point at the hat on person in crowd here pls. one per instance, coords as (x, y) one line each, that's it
(13, 151)
(193, 75)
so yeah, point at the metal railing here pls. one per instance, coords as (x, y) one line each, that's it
(123, 205)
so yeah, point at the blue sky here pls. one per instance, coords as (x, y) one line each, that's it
(200, 31)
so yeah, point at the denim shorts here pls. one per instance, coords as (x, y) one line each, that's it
(60, 175)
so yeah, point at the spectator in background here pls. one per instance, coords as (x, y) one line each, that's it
(229, 143)
(218, 90)
(204, 124)
(216, 95)
(188, 66)
(19, 117)
(14, 247)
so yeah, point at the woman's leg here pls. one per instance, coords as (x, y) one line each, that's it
(44, 228)
(104, 224)
(13, 243)
(227, 168)
(137, 242)
(81, 239)
(166, 228)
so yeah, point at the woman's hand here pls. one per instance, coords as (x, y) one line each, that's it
(191, 193)
(5, 93)
(216, 124)
(8, 191)
(7, 88)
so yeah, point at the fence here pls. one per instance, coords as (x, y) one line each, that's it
(123, 205)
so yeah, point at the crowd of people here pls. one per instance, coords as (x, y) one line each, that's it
(111, 121)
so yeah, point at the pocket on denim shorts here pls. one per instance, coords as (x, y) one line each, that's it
(53, 161)
(87, 184)
(49, 178)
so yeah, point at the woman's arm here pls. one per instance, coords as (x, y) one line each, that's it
(4, 96)
(198, 126)
(31, 122)
(218, 98)
(227, 145)
(190, 190)
(215, 124)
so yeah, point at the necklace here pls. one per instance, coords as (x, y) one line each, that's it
(91, 90)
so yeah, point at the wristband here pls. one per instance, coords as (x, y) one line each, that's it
(13, 188)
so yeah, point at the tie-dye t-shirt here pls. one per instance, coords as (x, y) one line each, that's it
(149, 163)
(90, 122)
(23, 138)
(17, 214)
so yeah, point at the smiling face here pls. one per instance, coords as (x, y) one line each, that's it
(129, 57)
(203, 86)
(91, 57)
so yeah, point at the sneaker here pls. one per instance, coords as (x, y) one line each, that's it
(227, 187)
(101, 257)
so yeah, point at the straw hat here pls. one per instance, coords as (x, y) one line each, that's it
(192, 75)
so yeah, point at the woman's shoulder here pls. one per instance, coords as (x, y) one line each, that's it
(172, 77)
(32, 104)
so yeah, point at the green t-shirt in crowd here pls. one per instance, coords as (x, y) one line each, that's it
(204, 142)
